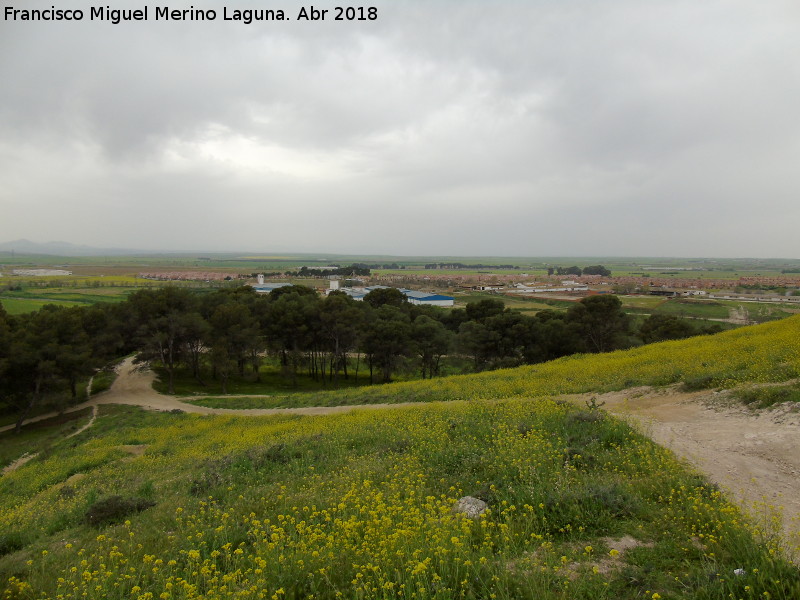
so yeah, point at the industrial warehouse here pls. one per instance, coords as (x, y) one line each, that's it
(358, 293)
(413, 296)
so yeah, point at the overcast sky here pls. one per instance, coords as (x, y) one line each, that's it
(502, 128)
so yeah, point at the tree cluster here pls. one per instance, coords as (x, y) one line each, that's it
(352, 270)
(458, 265)
(52, 349)
(575, 270)
(229, 331)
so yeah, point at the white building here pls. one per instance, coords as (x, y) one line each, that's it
(413, 296)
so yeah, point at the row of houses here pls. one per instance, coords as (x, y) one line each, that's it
(566, 286)
(190, 276)
(40, 272)
(674, 293)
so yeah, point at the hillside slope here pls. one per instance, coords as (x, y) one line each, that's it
(759, 353)
(361, 504)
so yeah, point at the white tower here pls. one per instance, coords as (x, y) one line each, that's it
(260, 278)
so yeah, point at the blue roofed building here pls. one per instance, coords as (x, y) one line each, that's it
(266, 288)
(413, 296)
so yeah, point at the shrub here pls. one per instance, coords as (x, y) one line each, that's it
(114, 509)
(10, 542)
(695, 384)
(765, 397)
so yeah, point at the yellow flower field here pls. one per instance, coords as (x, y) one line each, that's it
(360, 505)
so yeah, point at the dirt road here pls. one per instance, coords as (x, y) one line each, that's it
(754, 456)
(134, 386)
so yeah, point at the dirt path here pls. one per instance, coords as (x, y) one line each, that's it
(755, 457)
(19, 462)
(88, 424)
(134, 386)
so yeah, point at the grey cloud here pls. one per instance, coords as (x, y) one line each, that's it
(453, 127)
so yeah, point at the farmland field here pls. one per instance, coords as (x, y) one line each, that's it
(18, 306)
(28, 300)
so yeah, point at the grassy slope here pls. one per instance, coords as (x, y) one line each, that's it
(768, 352)
(40, 435)
(360, 505)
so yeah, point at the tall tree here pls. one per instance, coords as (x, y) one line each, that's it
(658, 328)
(74, 350)
(483, 309)
(596, 270)
(235, 329)
(340, 320)
(431, 342)
(387, 339)
(165, 325)
(386, 296)
(290, 325)
(601, 322)
(557, 337)
(475, 339)
(5, 348)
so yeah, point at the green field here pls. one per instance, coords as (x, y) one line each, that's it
(524, 305)
(18, 306)
(40, 436)
(756, 312)
(31, 299)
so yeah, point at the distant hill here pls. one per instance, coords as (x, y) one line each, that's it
(60, 249)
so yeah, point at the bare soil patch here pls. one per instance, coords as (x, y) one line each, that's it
(134, 449)
(754, 456)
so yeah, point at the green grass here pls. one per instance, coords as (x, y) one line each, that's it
(767, 396)
(358, 505)
(767, 352)
(38, 437)
(513, 302)
(709, 309)
(274, 381)
(239, 402)
(709, 312)
(647, 303)
(103, 380)
(526, 305)
(51, 402)
(31, 299)
(763, 312)
(19, 306)
(86, 295)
